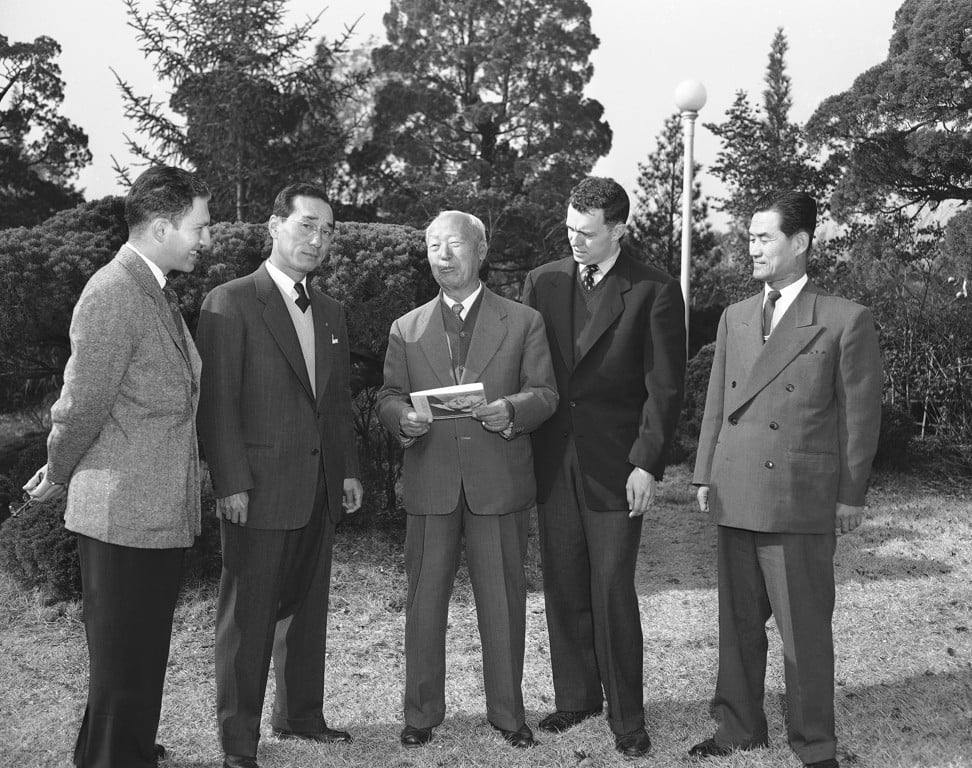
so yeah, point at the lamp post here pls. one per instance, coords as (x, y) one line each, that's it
(689, 98)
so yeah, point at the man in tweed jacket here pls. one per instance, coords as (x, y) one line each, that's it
(123, 446)
(790, 428)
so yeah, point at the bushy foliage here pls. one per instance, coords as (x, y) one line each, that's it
(898, 429)
(697, 371)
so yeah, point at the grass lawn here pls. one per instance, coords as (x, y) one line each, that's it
(903, 630)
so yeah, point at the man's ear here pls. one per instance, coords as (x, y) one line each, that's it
(618, 230)
(158, 229)
(802, 242)
(272, 226)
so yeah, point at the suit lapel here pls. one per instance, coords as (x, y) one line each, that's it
(560, 313)
(432, 340)
(147, 282)
(615, 284)
(325, 340)
(794, 331)
(487, 336)
(281, 327)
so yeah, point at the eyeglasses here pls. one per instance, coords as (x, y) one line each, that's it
(308, 230)
(28, 500)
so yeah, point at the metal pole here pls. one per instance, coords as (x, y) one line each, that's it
(688, 139)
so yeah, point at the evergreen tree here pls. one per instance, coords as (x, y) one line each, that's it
(762, 151)
(481, 106)
(41, 152)
(657, 221)
(255, 113)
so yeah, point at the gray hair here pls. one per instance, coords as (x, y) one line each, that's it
(473, 222)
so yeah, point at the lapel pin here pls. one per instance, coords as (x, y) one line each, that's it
(334, 339)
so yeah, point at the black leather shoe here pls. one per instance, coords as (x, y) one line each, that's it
(521, 738)
(415, 737)
(324, 736)
(830, 762)
(239, 761)
(561, 720)
(634, 744)
(709, 748)
(159, 752)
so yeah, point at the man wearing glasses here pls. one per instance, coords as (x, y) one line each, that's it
(276, 429)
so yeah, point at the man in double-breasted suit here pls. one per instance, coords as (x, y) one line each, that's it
(790, 428)
(123, 446)
(467, 476)
(617, 338)
(276, 429)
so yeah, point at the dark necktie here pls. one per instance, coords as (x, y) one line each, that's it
(302, 301)
(457, 308)
(588, 279)
(172, 299)
(769, 306)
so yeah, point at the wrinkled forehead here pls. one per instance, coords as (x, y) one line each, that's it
(765, 223)
(451, 225)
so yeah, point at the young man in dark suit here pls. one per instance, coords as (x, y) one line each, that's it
(790, 428)
(617, 338)
(276, 429)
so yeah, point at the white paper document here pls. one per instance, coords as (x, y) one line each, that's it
(449, 402)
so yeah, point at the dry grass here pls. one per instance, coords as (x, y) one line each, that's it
(903, 628)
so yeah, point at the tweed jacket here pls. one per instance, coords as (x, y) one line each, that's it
(508, 353)
(123, 429)
(263, 430)
(621, 392)
(791, 427)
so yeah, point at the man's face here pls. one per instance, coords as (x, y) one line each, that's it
(456, 254)
(302, 239)
(778, 260)
(591, 240)
(182, 244)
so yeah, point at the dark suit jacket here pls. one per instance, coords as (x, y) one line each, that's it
(508, 354)
(620, 397)
(262, 429)
(790, 427)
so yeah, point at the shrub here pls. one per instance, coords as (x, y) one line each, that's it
(686, 440)
(898, 429)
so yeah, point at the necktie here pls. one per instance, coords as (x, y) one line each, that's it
(588, 280)
(457, 308)
(172, 299)
(769, 306)
(302, 301)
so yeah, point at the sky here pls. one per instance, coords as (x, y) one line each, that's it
(647, 48)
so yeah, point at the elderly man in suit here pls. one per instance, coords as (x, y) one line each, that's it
(790, 428)
(466, 476)
(617, 337)
(276, 429)
(123, 447)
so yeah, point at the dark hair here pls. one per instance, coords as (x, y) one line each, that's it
(162, 191)
(283, 203)
(797, 210)
(599, 193)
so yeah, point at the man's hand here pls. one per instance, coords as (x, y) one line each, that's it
(413, 425)
(640, 490)
(495, 416)
(40, 489)
(353, 495)
(233, 508)
(703, 496)
(847, 518)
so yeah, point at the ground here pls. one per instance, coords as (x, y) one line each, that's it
(903, 629)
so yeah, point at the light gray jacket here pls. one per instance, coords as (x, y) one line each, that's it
(123, 430)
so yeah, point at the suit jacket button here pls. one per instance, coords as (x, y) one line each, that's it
(572, 403)
(315, 451)
(733, 385)
(790, 387)
(774, 425)
(733, 420)
(769, 465)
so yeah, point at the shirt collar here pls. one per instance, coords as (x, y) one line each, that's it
(467, 302)
(156, 272)
(789, 293)
(283, 281)
(603, 267)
